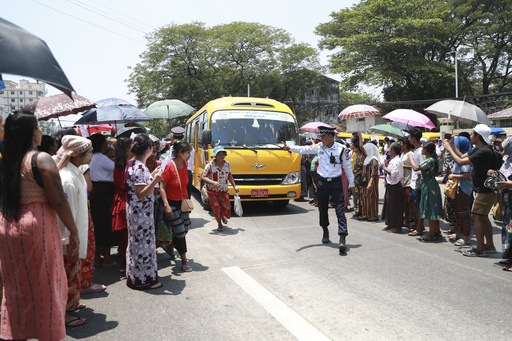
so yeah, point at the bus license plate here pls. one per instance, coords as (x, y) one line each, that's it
(259, 193)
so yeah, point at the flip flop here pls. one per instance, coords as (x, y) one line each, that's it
(94, 288)
(156, 286)
(507, 269)
(76, 322)
(224, 220)
(186, 268)
(220, 229)
(415, 233)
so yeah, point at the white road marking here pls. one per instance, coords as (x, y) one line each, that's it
(296, 324)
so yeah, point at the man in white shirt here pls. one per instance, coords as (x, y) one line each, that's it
(332, 156)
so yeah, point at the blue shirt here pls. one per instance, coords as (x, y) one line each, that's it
(465, 185)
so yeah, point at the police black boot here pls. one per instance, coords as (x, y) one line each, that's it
(325, 238)
(341, 246)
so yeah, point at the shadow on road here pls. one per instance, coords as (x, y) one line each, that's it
(99, 321)
(331, 245)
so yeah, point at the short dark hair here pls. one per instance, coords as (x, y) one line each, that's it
(97, 142)
(416, 133)
(396, 147)
(465, 134)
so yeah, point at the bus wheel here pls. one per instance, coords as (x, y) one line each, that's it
(280, 203)
(204, 198)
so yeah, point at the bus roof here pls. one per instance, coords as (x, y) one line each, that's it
(242, 103)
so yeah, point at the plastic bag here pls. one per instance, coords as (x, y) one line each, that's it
(238, 206)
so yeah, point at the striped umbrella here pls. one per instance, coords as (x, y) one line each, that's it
(358, 110)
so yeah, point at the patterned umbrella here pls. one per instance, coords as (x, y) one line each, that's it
(358, 110)
(410, 117)
(168, 109)
(58, 105)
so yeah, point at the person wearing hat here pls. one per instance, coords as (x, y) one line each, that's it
(216, 175)
(333, 159)
(483, 158)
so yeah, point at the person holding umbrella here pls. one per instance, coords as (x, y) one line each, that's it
(333, 159)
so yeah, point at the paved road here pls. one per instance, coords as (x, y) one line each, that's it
(268, 277)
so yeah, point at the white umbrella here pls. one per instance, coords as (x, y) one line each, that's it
(463, 111)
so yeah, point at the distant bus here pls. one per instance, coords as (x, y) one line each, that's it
(251, 130)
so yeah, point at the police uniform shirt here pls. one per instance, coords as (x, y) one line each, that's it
(326, 169)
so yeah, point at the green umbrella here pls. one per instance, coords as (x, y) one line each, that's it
(386, 129)
(168, 109)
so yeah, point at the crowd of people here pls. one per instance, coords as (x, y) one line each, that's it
(411, 166)
(67, 200)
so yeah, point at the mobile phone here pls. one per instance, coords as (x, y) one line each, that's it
(448, 136)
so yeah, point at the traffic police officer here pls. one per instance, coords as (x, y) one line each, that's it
(332, 157)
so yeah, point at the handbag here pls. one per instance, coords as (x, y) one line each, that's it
(360, 180)
(186, 204)
(450, 189)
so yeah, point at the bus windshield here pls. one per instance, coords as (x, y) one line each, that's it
(257, 129)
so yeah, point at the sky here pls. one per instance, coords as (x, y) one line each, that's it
(95, 41)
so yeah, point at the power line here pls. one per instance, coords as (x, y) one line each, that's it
(85, 21)
(106, 16)
(116, 11)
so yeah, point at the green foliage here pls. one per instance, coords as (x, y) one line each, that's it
(397, 44)
(404, 45)
(195, 63)
(357, 98)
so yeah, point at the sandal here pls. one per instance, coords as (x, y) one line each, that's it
(186, 268)
(75, 322)
(507, 268)
(461, 242)
(451, 231)
(220, 228)
(155, 286)
(415, 233)
(395, 230)
(428, 238)
(94, 288)
(362, 218)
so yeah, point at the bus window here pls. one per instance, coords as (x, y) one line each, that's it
(245, 128)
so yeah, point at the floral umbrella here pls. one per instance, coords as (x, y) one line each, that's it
(58, 105)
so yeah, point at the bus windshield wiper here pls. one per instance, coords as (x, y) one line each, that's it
(245, 147)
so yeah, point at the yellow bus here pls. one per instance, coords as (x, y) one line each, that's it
(251, 130)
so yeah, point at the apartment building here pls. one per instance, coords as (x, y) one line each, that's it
(15, 96)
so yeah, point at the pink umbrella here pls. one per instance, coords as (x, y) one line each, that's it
(410, 117)
(358, 110)
(313, 126)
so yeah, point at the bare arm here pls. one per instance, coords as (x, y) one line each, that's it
(57, 199)
(87, 176)
(232, 181)
(144, 190)
(414, 166)
(163, 195)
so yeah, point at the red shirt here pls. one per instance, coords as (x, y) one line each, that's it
(173, 187)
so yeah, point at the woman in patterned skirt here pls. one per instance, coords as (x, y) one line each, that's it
(358, 175)
(141, 267)
(31, 254)
(370, 199)
(216, 176)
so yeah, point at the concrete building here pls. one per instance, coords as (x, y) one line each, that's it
(364, 123)
(15, 96)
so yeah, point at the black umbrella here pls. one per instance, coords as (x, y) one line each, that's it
(23, 54)
(127, 131)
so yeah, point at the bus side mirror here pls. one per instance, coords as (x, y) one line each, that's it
(207, 137)
(302, 140)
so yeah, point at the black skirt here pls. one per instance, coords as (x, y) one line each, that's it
(101, 198)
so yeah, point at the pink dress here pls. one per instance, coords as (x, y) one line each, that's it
(32, 265)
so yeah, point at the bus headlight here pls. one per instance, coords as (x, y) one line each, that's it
(291, 179)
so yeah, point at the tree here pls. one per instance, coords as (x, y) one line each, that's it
(196, 64)
(486, 39)
(398, 44)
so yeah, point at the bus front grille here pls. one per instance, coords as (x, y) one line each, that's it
(258, 180)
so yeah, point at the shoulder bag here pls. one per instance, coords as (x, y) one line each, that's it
(186, 204)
